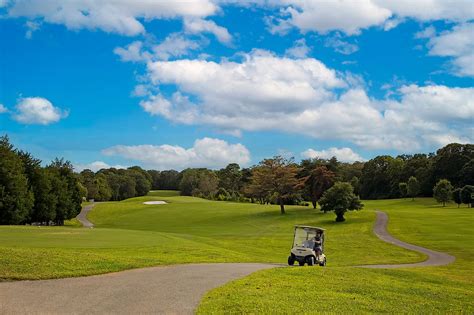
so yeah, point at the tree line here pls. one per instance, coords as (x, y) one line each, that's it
(31, 193)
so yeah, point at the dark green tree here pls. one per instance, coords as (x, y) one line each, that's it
(457, 196)
(413, 187)
(466, 193)
(16, 200)
(403, 187)
(340, 198)
(443, 191)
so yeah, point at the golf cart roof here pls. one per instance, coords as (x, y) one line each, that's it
(309, 227)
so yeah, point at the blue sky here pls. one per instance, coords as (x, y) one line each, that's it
(166, 84)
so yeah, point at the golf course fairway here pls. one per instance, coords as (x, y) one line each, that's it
(129, 234)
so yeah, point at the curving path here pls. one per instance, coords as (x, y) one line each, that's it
(82, 216)
(434, 258)
(170, 289)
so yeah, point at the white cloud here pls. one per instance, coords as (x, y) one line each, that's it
(458, 44)
(3, 109)
(323, 16)
(95, 166)
(37, 110)
(303, 96)
(342, 154)
(350, 17)
(175, 45)
(116, 16)
(195, 26)
(299, 50)
(206, 152)
(341, 46)
(428, 32)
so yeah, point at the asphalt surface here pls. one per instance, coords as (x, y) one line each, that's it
(82, 216)
(434, 258)
(165, 290)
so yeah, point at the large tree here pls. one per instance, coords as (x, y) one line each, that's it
(443, 191)
(65, 184)
(319, 180)
(230, 178)
(16, 200)
(340, 198)
(277, 178)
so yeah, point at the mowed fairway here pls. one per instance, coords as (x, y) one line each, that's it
(129, 234)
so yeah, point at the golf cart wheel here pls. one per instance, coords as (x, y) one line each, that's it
(310, 260)
(291, 260)
(323, 263)
(301, 263)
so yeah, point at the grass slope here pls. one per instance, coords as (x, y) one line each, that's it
(340, 289)
(129, 234)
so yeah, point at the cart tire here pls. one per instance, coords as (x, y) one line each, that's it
(301, 263)
(291, 260)
(323, 263)
(310, 260)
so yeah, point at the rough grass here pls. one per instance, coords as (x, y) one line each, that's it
(447, 289)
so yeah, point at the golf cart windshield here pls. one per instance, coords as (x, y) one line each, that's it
(305, 236)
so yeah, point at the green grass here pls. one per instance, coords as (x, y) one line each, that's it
(129, 234)
(340, 289)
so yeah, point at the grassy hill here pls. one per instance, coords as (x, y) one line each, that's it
(129, 234)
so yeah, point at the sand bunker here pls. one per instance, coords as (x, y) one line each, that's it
(155, 203)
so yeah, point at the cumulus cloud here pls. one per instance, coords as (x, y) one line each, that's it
(31, 27)
(350, 17)
(95, 166)
(457, 44)
(115, 16)
(195, 26)
(37, 110)
(342, 154)
(206, 152)
(303, 96)
(3, 109)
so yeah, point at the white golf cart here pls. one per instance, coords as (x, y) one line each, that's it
(308, 246)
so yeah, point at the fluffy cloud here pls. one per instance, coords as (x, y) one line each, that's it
(95, 166)
(206, 152)
(351, 17)
(117, 16)
(37, 110)
(342, 154)
(195, 26)
(3, 109)
(303, 96)
(458, 44)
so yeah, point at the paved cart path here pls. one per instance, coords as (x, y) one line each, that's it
(82, 216)
(169, 289)
(434, 258)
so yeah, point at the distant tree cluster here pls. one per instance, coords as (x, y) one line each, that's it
(116, 184)
(30, 193)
